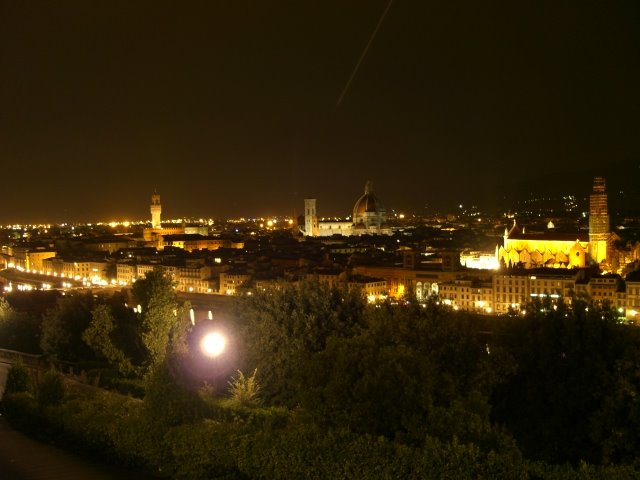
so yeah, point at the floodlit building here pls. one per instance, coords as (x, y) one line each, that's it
(632, 303)
(555, 250)
(31, 257)
(91, 271)
(158, 230)
(232, 280)
(467, 295)
(599, 234)
(191, 242)
(369, 218)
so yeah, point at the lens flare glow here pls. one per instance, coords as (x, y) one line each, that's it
(213, 344)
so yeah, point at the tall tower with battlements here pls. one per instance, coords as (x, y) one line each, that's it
(598, 221)
(156, 211)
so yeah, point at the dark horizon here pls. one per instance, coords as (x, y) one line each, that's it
(230, 109)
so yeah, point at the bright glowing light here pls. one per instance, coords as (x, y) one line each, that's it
(213, 344)
(479, 260)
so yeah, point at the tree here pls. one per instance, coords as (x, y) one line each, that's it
(51, 389)
(18, 379)
(280, 326)
(162, 319)
(568, 365)
(99, 336)
(18, 331)
(5, 309)
(410, 373)
(62, 328)
(615, 426)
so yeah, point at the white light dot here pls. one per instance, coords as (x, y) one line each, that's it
(213, 344)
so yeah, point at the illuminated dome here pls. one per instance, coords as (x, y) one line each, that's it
(368, 212)
(368, 203)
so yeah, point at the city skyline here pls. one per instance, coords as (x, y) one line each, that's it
(231, 109)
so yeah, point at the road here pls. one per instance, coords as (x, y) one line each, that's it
(22, 458)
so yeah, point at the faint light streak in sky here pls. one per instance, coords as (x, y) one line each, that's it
(364, 54)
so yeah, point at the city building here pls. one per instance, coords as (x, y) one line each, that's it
(551, 249)
(157, 230)
(369, 218)
(232, 280)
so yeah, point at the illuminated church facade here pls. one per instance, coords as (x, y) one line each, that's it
(556, 250)
(369, 218)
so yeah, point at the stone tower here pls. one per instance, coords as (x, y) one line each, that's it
(156, 210)
(310, 217)
(598, 221)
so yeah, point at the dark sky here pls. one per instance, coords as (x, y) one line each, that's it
(229, 108)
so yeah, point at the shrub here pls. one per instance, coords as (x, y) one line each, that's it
(21, 411)
(245, 390)
(18, 380)
(51, 389)
(169, 403)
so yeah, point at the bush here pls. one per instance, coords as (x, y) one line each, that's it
(167, 402)
(51, 389)
(227, 410)
(206, 450)
(245, 390)
(21, 410)
(18, 380)
(127, 386)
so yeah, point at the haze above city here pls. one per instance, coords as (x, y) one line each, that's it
(240, 108)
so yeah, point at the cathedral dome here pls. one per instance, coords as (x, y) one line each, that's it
(368, 203)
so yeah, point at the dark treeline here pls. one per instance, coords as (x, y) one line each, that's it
(316, 383)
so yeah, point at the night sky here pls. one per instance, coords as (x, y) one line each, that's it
(229, 108)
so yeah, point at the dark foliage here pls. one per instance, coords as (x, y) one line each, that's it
(278, 328)
(573, 396)
(18, 380)
(19, 330)
(62, 328)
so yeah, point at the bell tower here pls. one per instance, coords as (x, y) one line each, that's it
(310, 217)
(156, 210)
(598, 221)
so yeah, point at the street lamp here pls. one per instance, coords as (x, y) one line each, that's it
(213, 344)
